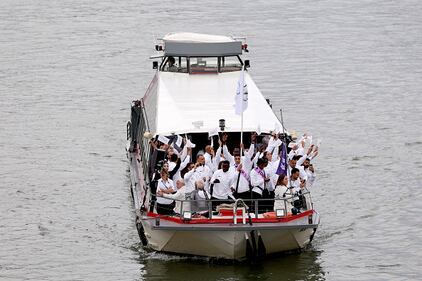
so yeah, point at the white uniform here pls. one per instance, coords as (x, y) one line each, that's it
(177, 175)
(222, 190)
(302, 173)
(162, 185)
(212, 162)
(295, 184)
(257, 181)
(243, 179)
(311, 178)
(208, 161)
(189, 181)
(197, 174)
(281, 190)
(179, 195)
(246, 160)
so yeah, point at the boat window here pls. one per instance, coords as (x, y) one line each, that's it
(228, 64)
(203, 65)
(175, 64)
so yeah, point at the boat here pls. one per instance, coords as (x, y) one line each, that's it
(191, 95)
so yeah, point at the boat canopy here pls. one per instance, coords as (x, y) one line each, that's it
(195, 44)
(181, 103)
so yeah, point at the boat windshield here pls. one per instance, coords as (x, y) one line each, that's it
(198, 65)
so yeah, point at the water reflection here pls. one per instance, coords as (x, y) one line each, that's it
(294, 266)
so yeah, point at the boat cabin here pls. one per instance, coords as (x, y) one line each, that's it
(200, 54)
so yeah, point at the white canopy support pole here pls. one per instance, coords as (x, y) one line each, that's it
(241, 115)
(241, 134)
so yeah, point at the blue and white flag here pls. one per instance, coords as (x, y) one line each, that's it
(282, 166)
(241, 99)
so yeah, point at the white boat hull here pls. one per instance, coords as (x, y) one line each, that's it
(228, 241)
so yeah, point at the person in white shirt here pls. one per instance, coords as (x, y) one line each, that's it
(240, 181)
(246, 159)
(179, 197)
(209, 156)
(271, 168)
(221, 181)
(176, 164)
(282, 194)
(270, 172)
(187, 174)
(297, 161)
(171, 65)
(259, 180)
(200, 172)
(310, 173)
(165, 185)
(296, 184)
(240, 171)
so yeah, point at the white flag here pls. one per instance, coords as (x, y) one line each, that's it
(213, 132)
(241, 99)
(163, 139)
(178, 141)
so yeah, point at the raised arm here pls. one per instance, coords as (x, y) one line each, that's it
(314, 154)
(217, 158)
(188, 175)
(227, 155)
(251, 150)
(275, 155)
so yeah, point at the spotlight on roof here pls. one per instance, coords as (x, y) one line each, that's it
(222, 124)
(247, 64)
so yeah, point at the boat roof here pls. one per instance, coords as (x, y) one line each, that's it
(181, 103)
(197, 44)
(188, 37)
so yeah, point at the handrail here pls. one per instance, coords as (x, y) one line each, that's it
(244, 208)
(144, 150)
(287, 201)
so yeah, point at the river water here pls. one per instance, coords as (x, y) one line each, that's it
(348, 72)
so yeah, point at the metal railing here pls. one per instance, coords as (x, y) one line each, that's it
(291, 204)
(141, 174)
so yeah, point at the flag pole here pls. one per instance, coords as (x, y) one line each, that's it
(241, 116)
(241, 134)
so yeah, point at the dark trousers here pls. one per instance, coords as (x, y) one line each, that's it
(221, 201)
(247, 196)
(253, 204)
(165, 209)
(153, 186)
(268, 205)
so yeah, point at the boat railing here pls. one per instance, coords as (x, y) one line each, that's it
(281, 207)
(141, 145)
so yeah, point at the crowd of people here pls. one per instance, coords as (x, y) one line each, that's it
(223, 176)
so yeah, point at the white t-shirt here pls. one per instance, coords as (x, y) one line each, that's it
(161, 185)
(221, 190)
(243, 179)
(279, 191)
(257, 181)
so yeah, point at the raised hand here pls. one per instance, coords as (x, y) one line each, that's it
(253, 137)
(225, 137)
